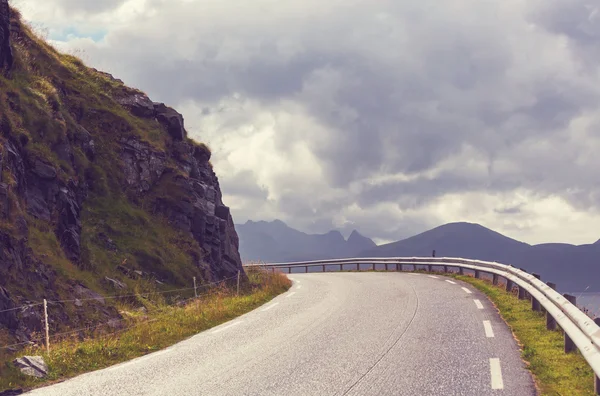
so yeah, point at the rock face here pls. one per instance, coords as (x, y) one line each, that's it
(101, 191)
(189, 194)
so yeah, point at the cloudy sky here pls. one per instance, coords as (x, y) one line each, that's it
(389, 116)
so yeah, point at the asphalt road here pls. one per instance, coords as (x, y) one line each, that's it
(336, 334)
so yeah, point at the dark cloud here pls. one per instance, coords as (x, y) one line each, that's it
(489, 101)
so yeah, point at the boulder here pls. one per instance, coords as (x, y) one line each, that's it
(32, 365)
(12, 392)
(172, 120)
(139, 105)
(115, 283)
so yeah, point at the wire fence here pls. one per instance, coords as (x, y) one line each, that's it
(88, 330)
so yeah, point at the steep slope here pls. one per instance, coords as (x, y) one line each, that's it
(276, 241)
(101, 191)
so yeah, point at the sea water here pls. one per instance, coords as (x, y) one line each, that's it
(589, 301)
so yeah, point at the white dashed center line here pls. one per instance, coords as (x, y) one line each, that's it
(478, 304)
(496, 372)
(431, 276)
(226, 327)
(290, 295)
(466, 290)
(269, 307)
(449, 281)
(489, 332)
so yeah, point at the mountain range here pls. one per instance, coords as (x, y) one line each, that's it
(277, 242)
(572, 267)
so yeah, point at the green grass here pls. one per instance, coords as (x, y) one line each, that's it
(160, 326)
(556, 373)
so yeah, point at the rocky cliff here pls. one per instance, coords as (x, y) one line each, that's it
(101, 190)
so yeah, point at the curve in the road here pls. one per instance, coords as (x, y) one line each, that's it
(336, 334)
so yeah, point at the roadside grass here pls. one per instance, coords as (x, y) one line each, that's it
(156, 327)
(555, 373)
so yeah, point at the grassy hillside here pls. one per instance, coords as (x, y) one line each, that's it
(69, 215)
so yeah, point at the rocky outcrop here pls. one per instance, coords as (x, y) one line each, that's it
(184, 186)
(86, 186)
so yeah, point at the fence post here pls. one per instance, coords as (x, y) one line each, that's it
(47, 326)
(495, 279)
(569, 344)
(550, 321)
(238, 283)
(195, 291)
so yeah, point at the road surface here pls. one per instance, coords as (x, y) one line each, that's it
(336, 334)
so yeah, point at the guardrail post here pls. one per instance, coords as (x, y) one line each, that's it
(341, 267)
(477, 274)
(323, 267)
(461, 271)
(397, 267)
(306, 269)
(569, 344)
(430, 268)
(550, 321)
(495, 279)
(358, 266)
(386, 266)
(446, 269)
(535, 304)
(521, 293)
(509, 286)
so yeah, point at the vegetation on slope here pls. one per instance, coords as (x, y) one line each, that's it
(51, 101)
(157, 326)
(556, 373)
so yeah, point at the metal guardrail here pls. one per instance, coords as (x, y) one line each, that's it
(580, 331)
